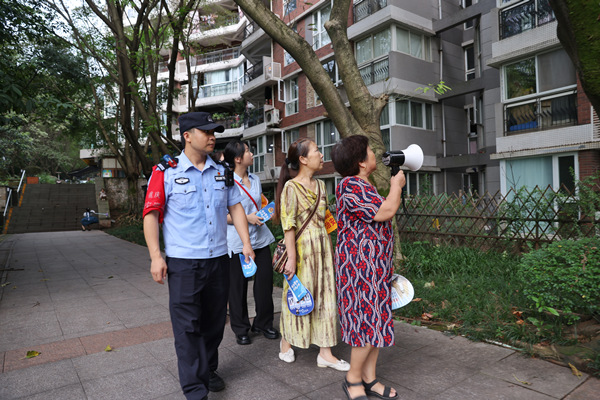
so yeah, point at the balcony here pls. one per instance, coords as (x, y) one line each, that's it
(214, 29)
(219, 89)
(198, 62)
(223, 93)
(254, 117)
(255, 123)
(256, 43)
(364, 8)
(216, 56)
(375, 71)
(250, 29)
(259, 76)
(541, 114)
(214, 21)
(524, 16)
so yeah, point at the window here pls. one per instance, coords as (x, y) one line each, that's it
(542, 113)
(384, 125)
(474, 118)
(287, 138)
(326, 136)
(287, 58)
(259, 147)
(412, 43)
(221, 82)
(465, 4)
(419, 183)
(291, 96)
(552, 170)
(288, 6)
(539, 74)
(320, 35)
(332, 71)
(469, 62)
(550, 76)
(471, 182)
(373, 46)
(524, 16)
(413, 113)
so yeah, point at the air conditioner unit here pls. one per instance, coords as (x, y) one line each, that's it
(272, 117)
(277, 170)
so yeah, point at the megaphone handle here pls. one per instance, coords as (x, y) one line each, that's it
(404, 202)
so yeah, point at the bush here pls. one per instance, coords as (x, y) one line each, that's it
(564, 275)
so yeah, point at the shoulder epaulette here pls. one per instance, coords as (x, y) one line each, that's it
(167, 162)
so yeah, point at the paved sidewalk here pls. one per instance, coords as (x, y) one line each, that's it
(69, 295)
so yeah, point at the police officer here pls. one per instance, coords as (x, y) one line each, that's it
(191, 200)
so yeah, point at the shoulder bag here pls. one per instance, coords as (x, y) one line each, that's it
(280, 256)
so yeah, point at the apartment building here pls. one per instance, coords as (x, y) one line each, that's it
(515, 116)
(212, 77)
(547, 127)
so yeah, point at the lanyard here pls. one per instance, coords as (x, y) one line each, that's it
(244, 189)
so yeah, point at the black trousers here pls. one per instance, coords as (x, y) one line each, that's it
(198, 292)
(263, 293)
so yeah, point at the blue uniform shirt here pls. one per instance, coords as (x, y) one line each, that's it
(195, 213)
(260, 236)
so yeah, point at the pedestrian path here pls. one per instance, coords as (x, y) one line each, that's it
(70, 296)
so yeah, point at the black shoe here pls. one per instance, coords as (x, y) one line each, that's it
(270, 333)
(242, 339)
(215, 382)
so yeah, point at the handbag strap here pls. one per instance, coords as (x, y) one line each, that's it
(244, 189)
(314, 210)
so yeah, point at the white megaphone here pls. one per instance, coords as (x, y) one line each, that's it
(411, 157)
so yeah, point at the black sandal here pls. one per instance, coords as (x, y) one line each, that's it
(346, 385)
(386, 391)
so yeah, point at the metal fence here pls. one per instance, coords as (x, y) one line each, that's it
(510, 221)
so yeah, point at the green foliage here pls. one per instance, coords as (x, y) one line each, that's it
(473, 289)
(526, 209)
(132, 231)
(16, 146)
(439, 88)
(564, 275)
(47, 178)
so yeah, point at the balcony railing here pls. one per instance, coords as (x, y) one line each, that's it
(219, 89)
(214, 21)
(250, 29)
(216, 56)
(541, 114)
(230, 122)
(375, 71)
(253, 72)
(364, 8)
(254, 117)
(525, 16)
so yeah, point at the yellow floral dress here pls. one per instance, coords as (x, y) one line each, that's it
(314, 268)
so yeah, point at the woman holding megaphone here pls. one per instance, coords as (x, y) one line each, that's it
(363, 261)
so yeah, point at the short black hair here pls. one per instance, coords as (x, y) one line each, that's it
(347, 153)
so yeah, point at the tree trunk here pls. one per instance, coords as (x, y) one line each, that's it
(362, 118)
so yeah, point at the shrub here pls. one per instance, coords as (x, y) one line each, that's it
(564, 275)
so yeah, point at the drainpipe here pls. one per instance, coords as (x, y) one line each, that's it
(441, 51)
